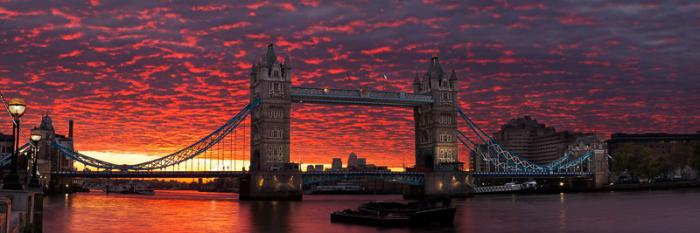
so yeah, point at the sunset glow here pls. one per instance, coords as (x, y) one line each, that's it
(146, 80)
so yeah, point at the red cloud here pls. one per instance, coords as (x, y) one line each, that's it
(73, 53)
(378, 50)
(72, 36)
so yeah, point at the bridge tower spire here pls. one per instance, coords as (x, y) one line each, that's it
(435, 123)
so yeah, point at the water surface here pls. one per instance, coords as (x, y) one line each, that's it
(191, 211)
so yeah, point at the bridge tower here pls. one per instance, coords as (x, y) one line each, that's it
(435, 128)
(49, 159)
(270, 81)
(435, 123)
(272, 175)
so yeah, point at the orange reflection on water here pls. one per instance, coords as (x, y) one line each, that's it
(191, 211)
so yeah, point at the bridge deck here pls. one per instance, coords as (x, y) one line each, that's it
(149, 174)
(212, 174)
(358, 97)
(209, 174)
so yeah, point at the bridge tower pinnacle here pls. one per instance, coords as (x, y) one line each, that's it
(270, 80)
(435, 123)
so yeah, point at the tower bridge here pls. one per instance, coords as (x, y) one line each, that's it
(270, 173)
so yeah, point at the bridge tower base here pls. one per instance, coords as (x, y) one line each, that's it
(274, 186)
(443, 183)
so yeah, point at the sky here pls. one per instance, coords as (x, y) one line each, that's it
(147, 78)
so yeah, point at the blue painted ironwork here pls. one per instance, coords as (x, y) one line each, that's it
(505, 161)
(531, 174)
(6, 160)
(487, 149)
(180, 156)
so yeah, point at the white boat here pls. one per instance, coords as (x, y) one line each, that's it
(129, 188)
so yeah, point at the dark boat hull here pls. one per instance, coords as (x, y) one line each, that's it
(429, 217)
(439, 216)
(357, 218)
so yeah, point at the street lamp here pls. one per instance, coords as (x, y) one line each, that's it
(16, 107)
(35, 137)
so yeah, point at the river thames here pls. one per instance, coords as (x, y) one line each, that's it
(191, 211)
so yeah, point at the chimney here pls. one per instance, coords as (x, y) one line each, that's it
(70, 128)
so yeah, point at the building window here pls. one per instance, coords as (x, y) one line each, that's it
(445, 120)
(276, 89)
(445, 138)
(275, 154)
(446, 98)
(275, 113)
(445, 155)
(276, 74)
(275, 133)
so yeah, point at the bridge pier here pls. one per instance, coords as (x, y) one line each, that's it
(443, 183)
(274, 185)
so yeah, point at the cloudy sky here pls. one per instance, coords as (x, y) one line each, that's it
(144, 77)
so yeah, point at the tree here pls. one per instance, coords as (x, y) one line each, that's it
(629, 158)
(694, 159)
(680, 155)
(640, 161)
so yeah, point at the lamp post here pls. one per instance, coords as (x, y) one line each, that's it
(16, 108)
(35, 137)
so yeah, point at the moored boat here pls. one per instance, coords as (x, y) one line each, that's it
(429, 212)
(129, 188)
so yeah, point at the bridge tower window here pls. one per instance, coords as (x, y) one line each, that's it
(446, 98)
(276, 89)
(275, 133)
(275, 113)
(275, 153)
(446, 138)
(445, 120)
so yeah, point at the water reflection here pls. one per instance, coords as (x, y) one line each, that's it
(188, 211)
(269, 216)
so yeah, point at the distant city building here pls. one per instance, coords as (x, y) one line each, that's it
(355, 163)
(337, 164)
(314, 168)
(352, 161)
(361, 162)
(660, 143)
(5, 144)
(534, 141)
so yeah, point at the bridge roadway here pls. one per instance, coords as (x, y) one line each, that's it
(208, 174)
(214, 174)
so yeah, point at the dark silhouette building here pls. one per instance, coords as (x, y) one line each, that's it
(534, 141)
